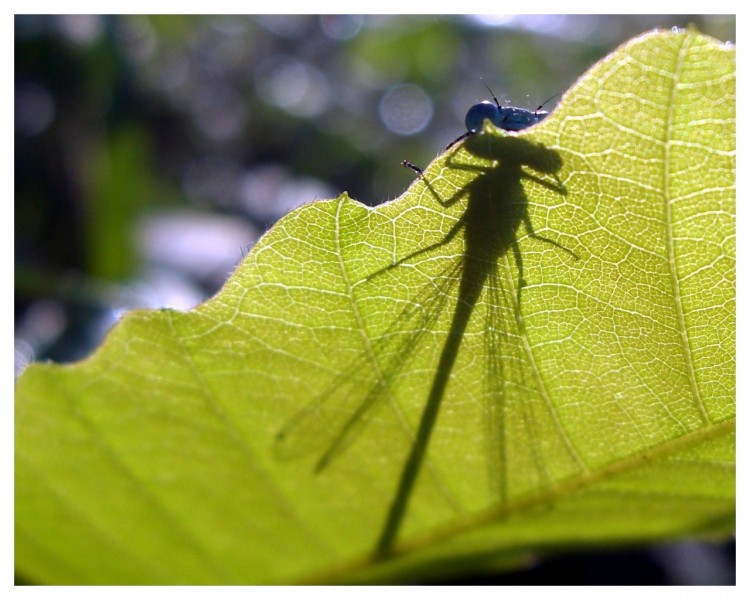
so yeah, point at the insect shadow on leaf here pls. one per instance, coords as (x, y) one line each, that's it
(495, 208)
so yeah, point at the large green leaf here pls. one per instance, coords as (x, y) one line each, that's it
(533, 347)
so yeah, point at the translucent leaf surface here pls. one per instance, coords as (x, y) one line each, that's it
(533, 347)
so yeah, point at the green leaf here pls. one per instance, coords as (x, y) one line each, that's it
(532, 348)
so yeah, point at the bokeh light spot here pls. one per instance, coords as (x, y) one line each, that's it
(405, 109)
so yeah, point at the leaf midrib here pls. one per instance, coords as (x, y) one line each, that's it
(554, 492)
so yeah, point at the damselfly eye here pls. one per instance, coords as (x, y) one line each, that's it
(476, 115)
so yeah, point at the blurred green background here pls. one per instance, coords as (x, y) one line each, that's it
(152, 152)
